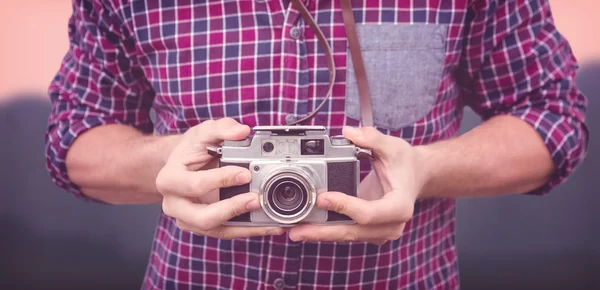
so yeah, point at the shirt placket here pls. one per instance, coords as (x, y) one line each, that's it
(293, 104)
(294, 89)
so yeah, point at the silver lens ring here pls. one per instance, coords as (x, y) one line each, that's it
(288, 175)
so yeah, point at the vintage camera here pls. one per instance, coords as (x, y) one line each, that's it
(291, 166)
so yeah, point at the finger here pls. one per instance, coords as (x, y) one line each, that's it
(176, 181)
(215, 131)
(232, 232)
(370, 187)
(365, 212)
(369, 137)
(346, 233)
(207, 217)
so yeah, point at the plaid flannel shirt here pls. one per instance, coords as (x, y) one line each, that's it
(259, 63)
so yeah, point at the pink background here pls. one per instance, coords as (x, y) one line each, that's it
(34, 38)
(50, 240)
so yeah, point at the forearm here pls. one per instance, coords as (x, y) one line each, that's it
(117, 164)
(501, 156)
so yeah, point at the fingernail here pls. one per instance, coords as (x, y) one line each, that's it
(253, 205)
(298, 239)
(243, 177)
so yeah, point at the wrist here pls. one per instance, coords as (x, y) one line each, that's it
(165, 146)
(426, 169)
(117, 164)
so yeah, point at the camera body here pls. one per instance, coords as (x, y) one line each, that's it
(290, 167)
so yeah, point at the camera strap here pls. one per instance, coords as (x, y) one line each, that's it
(357, 61)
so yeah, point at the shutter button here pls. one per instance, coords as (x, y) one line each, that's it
(279, 284)
(295, 32)
(339, 140)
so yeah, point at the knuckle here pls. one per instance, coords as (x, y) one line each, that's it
(223, 124)
(366, 218)
(405, 217)
(395, 234)
(182, 226)
(272, 232)
(373, 134)
(223, 235)
(404, 214)
(380, 242)
(227, 180)
(393, 237)
(227, 120)
(205, 183)
(167, 208)
(162, 183)
(352, 236)
(199, 184)
(341, 207)
(200, 128)
(370, 130)
(203, 224)
(237, 210)
(209, 123)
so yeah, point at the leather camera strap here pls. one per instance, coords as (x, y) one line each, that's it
(357, 61)
(328, 56)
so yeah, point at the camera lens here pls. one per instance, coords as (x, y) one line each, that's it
(268, 147)
(287, 196)
(289, 193)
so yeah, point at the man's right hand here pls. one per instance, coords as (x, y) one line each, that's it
(190, 180)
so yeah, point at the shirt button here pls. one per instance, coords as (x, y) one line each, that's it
(289, 119)
(295, 32)
(279, 284)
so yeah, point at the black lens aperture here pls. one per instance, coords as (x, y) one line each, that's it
(289, 192)
(287, 196)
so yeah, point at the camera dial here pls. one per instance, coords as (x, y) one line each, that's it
(339, 140)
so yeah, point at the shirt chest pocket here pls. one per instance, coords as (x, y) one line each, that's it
(404, 65)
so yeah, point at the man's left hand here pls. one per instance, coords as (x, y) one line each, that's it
(382, 209)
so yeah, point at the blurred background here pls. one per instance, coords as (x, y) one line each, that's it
(48, 239)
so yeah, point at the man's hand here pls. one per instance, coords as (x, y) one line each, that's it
(381, 213)
(189, 183)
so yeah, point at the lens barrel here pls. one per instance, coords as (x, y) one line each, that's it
(289, 195)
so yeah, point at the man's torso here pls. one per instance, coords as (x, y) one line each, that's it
(251, 61)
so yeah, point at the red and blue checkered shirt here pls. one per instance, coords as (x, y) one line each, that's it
(260, 63)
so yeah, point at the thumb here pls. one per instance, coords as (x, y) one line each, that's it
(367, 137)
(355, 208)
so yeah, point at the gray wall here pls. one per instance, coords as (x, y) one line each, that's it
(532, 242)
(51, 240)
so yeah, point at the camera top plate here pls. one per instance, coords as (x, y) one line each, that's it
(289, 130)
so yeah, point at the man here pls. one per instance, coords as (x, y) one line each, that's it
(214, 69)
